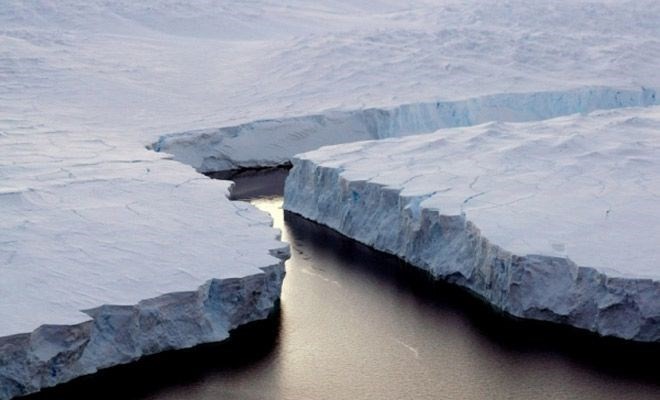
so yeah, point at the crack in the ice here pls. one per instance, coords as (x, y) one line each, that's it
(178, 185)
(474, 181)
(129, 208)
(495, 205)
(468, 199)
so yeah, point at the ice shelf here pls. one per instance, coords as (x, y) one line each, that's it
(555, 221)
(109, 251)
(107, 256)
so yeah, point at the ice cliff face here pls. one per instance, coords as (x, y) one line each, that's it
(553, 221)
(279, 139)
(54, 354)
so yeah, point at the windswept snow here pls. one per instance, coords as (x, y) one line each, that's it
(556, 220)
(125, 68)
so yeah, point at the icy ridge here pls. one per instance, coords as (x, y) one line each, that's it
(54, 354)
(233, 147)
(333, 186)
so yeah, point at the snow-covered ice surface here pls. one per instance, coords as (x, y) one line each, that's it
(555, 220)
(179, 66)
(91, 218)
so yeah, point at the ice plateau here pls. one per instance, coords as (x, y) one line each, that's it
(554, 221)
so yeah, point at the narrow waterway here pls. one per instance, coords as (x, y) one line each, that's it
(357, 324)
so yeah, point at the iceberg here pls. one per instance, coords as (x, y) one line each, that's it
(554, 220)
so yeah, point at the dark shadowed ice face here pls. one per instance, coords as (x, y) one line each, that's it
(358, 324)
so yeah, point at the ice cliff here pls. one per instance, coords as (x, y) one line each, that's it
(554, 221)
(233, 147)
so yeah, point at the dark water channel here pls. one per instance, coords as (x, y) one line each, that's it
(358, 324)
